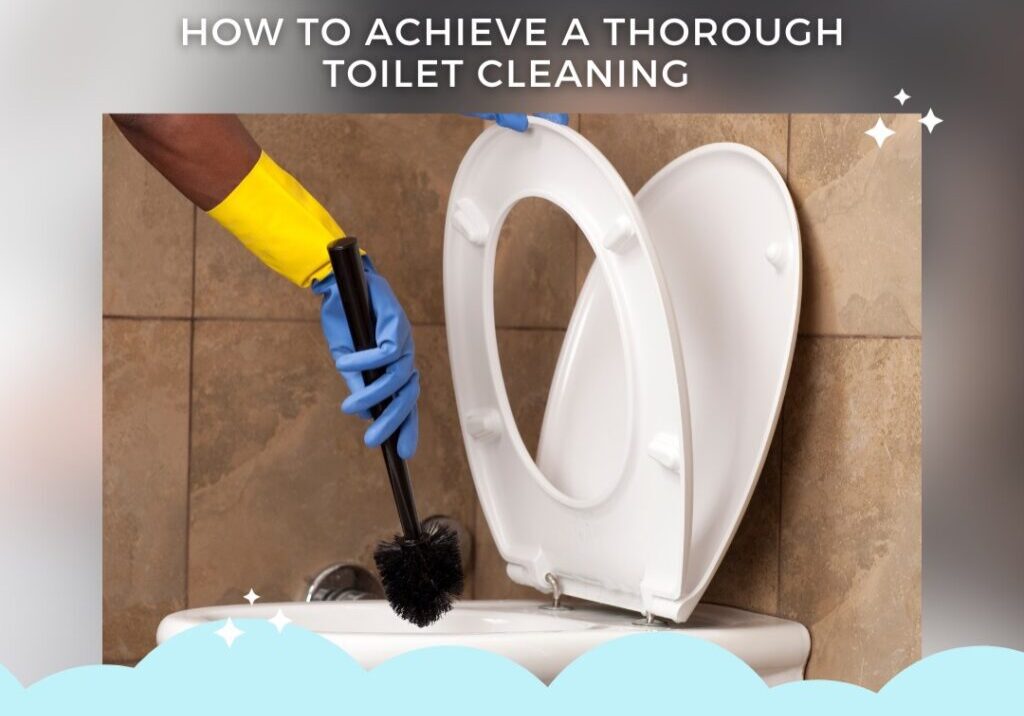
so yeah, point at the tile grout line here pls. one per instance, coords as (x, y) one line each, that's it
(191, 375)
(433, 324)
(789, 143)
(782, 416)
(782, 409)
(855, 337)
(122, 317)
(778, 535)
(300, 321)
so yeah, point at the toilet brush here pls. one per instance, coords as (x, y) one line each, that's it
(420, 569)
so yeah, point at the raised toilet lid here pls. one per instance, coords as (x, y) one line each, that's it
(727, 238)
(611, 512)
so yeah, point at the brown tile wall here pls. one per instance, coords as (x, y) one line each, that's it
(145, 478)
(228, 464)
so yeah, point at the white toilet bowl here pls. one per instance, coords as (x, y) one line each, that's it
(659, 418)
(543, 642)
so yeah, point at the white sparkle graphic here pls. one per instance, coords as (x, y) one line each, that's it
(251, 597)
(901, 97)
(930, 120)
(280, 621)
(880, 132)
(229, 632)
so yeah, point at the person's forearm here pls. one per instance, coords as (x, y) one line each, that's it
(204, 155)
(216, 163)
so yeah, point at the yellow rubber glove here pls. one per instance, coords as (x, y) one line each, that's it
(274, 216)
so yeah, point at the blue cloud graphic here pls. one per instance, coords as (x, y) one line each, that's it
(269, 672)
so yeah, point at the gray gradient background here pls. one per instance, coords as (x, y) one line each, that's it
(64, 63)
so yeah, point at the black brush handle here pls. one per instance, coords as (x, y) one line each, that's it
(348, 272)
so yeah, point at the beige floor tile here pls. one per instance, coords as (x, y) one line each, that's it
(860, 213)
(147, 236)
(385, 179)
(851, 505)
(639, 145)
(145, 480)
(282, 484)
(748, 577)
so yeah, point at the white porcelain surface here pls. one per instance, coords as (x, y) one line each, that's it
(645, 465)
(541, 641)
(619, 536)
(727, 240)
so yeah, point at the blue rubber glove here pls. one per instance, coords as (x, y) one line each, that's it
(394, 353)
(518, 122)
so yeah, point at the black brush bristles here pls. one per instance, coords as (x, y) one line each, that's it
(421, 577)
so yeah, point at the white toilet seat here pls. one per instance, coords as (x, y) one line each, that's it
(594, 544)
(625, 509)
(727, 238)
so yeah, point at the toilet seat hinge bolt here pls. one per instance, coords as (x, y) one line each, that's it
(556, 595)
(648, 619)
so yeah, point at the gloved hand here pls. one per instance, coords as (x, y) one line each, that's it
(394, 353)
(518, 122)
